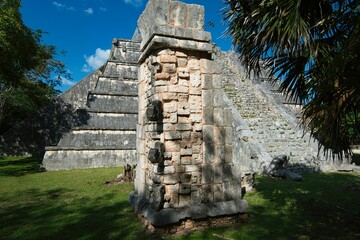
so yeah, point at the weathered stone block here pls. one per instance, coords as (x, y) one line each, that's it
(169, 170)
(206, 80)
(186, 135)
(171, 179)
(228, 118)
(218, 173)
(219, 117)
(195, 79)
(218, 96)
(182, 62)
(169, 96)
(178, 14)
(207, 175)
(172, 135)
(208, 133)
(168, 59)
(219, 135)
(209, 152)
(207, 98)
(207, 193)
(228, 172)
(185, 188)
(217, 81)
(193, 64)
(229, 136)
(161, 89)
(196, 196)
(168, 127)
(192, 168)
(173, 118)
(183, 127)
(183, 108)
(196, 178)
(183, 73)
(197, 158)
(195, 104)
(186, 152)
(228, 153)
(171, 146)
(176, 157)
(184, 200)
(196, 140)
(195, 91)
(218, 193)
(162, 76)
(180, 168)
(169, 67)
(185, 178)
(170, 107)
(185, 160)
(208, 113)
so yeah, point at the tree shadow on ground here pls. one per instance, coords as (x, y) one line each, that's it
(54, 215)
(322, 206)
(19, 166)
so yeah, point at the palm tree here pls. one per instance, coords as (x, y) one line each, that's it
(313, 47)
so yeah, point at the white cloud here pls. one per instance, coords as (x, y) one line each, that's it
(89, 11)
(57, 4)
(67, 82)
(135, 3)
(96, 60)
(63, 6)
(103, 9)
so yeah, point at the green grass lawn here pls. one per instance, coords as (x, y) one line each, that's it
(78, 205)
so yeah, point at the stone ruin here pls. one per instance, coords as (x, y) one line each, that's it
(168, 90)
(185, 112)
(187, 170)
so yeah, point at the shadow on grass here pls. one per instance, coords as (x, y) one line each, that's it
(322, 206)
(19, 166)
(356, 159)
(59, 214)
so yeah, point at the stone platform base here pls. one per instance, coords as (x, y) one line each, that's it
(186, 226)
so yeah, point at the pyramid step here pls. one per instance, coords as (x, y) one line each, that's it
(126, 87)
(108, 121)
(99, 138)
(113, 69)
(112, 104)
(56, 159)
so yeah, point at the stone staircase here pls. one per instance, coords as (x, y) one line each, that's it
(273, 122)
(106, 131)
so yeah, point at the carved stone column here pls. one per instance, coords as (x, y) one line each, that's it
(184, 137)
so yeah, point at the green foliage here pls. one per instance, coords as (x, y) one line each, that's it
(314, 48)
(77, 204)
(28, 68)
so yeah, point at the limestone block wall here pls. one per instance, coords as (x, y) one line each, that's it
(195, 133)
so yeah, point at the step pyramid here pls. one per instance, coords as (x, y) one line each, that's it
(107, 136)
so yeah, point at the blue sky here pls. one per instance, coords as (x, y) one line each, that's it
(85, 28)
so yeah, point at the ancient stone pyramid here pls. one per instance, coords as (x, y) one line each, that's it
(108, 137)
(94, 123)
